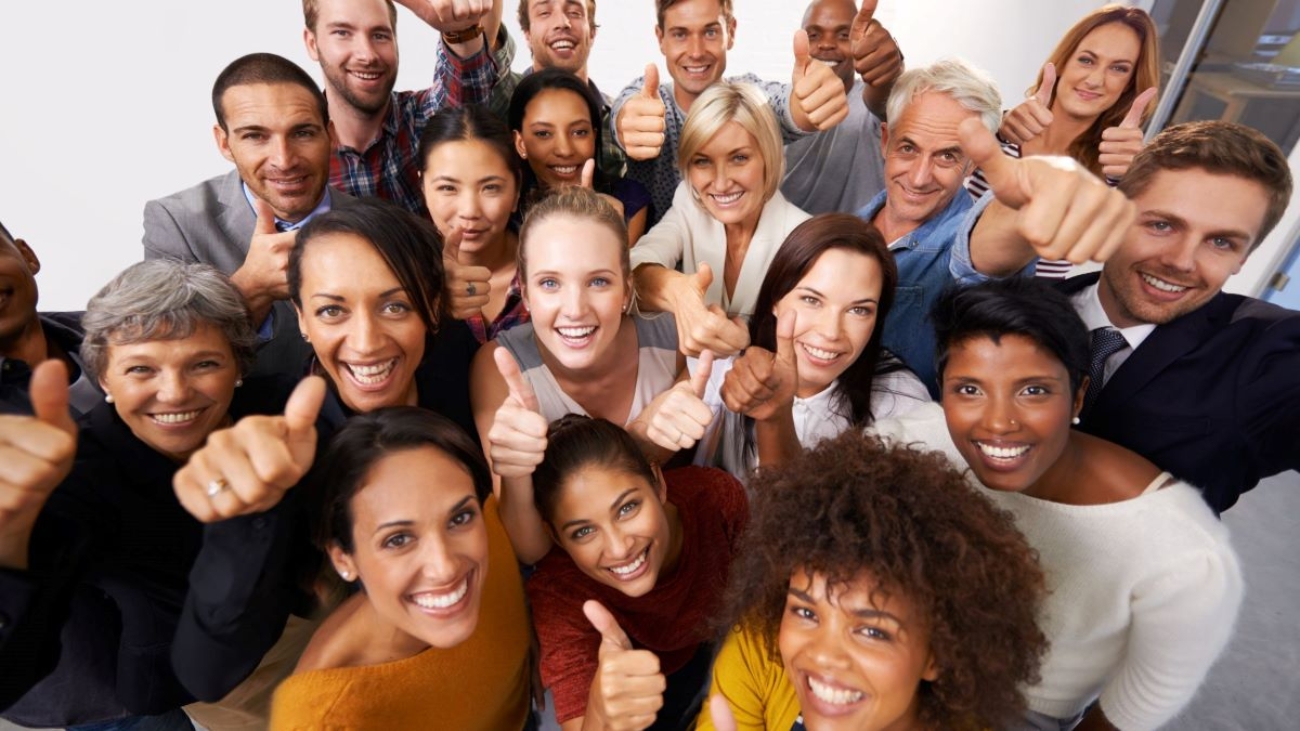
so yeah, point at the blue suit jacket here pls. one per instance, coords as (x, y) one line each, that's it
(1213, 397)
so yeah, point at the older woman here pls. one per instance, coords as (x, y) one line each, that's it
(111, 556)
(727, 220)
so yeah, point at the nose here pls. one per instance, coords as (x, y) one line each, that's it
(364, 49)
(826, 648)
(468, 206)
(829, 323)
(1180, 255)
(574, 304)
(922, 172)
(618, 546)
(173, 386)
(365, 335)
(695, 45)
(825, 42)
(563, 145)
(439, 563)
(999, 415)
(281, 153)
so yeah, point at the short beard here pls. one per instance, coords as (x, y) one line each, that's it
(335, 79)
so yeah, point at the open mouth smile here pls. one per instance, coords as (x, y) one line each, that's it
(632, 569)
(370, 375)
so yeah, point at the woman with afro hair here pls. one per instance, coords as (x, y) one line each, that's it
(875, 590)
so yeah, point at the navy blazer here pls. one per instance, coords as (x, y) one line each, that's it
(1213, 397)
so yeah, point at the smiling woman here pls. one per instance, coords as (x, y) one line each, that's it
(875, 590)
(168, 343)
(652, 549)
(439, 628)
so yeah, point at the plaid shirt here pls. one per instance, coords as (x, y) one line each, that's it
(388, 167)
(513, 313)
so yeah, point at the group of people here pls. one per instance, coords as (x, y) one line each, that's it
(724, 404)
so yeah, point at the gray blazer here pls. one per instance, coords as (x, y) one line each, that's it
(212, 223)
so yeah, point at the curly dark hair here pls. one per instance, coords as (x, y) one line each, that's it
(905, 517)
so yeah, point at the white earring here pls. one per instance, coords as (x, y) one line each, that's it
(344, 575)
(239, 382)
(108, 398)
(1075, 421)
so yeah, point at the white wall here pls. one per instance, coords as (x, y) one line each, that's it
(106, 105)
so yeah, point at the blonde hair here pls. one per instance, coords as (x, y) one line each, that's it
(1146, 74)
(576, 202)
(745, 105)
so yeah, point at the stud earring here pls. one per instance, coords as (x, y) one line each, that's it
(108, 398)
(305, 339)
(344, 575)
(239, 382)
(1075, 421)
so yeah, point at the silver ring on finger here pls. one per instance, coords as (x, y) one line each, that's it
(217, 486)
(471, 290)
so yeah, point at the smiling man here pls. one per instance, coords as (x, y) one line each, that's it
(378, 130)
(272, 123)
(1202, 383)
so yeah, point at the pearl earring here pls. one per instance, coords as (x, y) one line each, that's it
(239, 382)
(1075, 421)
(108, 398)
(344, 574)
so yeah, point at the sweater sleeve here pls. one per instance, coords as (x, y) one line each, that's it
(754, 685)
(1182, 619)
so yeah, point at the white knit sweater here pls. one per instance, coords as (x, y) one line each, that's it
(1143, 593)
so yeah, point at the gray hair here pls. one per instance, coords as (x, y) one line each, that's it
(970, 87)
(165, 300)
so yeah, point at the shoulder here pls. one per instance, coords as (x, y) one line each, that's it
(656, 330)
(336, 643)
(707, 491)
(791, 214)
(198, 197)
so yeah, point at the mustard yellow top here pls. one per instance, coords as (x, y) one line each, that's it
(482, 683)
(754, 684)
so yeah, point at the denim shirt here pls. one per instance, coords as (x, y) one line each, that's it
(929, 260)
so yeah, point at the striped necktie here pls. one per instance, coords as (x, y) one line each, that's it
(1106, 341)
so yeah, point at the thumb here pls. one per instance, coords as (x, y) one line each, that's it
(48, 391)
(304, 405)
(650, 89)
(861, 22)
(588, 174)
(611, 635)
(720, 713)
(1133, 120)
(700, 378)
(1000, 171)
(519, 389)
(802, 52)
(451, 245)
(265, 217)
(1044, 93)
(785, 326)
(703, 277)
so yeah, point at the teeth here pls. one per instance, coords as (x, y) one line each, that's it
(563, 45)
(576, 332)
(371, 374)
(1162, 285)
(178, 417)
(728, 199)
(565, 169)
(819, 353)
(696, 69)
(442, 601)
(367, 77)
(629, 568)
(832, 695)
(1002, 452)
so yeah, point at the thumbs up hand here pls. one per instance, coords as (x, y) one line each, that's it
(817, 96)
(677, 418)
(517, 439)
(1033, 116)
(876, 56)
(248, 467)
(1061, 210)
(642, 119)
(36, 453)
(263, 278)
(467, 287)
(702, 327)
(761, 383)
(1119, 145)
(628, 689)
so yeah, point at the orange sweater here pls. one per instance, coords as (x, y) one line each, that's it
(482, 683)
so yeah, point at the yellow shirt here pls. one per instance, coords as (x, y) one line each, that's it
(482, 683)
(754, 684)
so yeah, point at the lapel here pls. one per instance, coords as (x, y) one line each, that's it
(1166, 344)
(236, 218)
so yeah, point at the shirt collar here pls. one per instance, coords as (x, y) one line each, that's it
(1087, 302)
(956, 208)
(282, 225)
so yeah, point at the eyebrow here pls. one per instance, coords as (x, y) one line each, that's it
(452, 179)
(617, 501)
(1181, 222)
(806, 288)
(341, 298)
(551, 273)
(1094, 54)
(406, 522)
